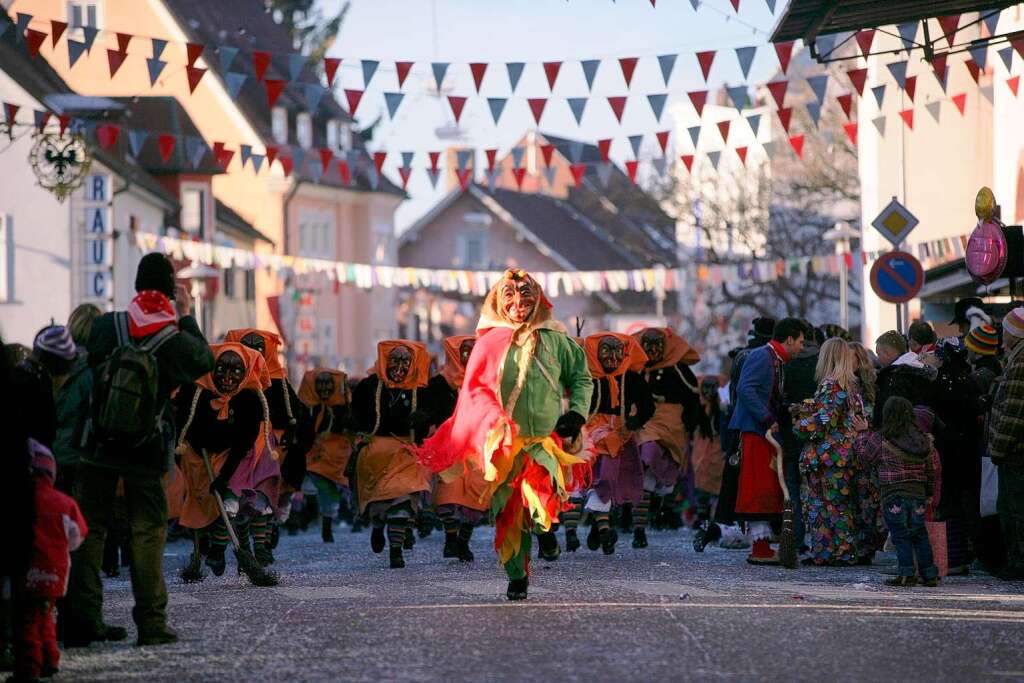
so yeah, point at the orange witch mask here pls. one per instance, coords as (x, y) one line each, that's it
(456, 355)
(610, 355)
(664, 348)
(323, 386)
(267, 343)
(235, 368)
(403, 364)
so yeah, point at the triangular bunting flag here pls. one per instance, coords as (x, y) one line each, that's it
(814, 111)
(402, 70)
(845, 103)
(517, 156)
(1006, 54)
(698, 99)
(296, 60)
(974, 70)
(825, 44)
(158, 47)
(379, 157)
(590, 71)
(1018, 45)
(771, 5)
(694, 132)
(257, 162)
(631, 167)
(735, 5)
(326, 157)
(577, 105)
(497, 106)
(741, 152)
(57, 29)
(464, 177)
(908, 32)
(604, 147)
(879, 92)
(634, 142)
(899, 72)
(754, 121)
(659, 164)
(226, 54)
(910, 86)
(245, 152)
(939, 65)
(404, 172)
(287, 164)
(988, 92)
(195, 74)
(274, 87)
(194, 51)
(75, 50)
(478, 69)
(90, 33)
(778, 92)
(271, 155)
(784, 117)
(714, 158)
(864, 40)
(136, 139)
(618, 105)
(943, 78)
(515, 72)
(222, 156)
(546, 152)
(457, 104)
(784, 51)
(462, 158)
(353, 97)
(628, 66)
(657, 102)
(723, 128)
(154, 66)
(107, 135)
(537, 105)
(577, 173)
(41, 118)
(851, 132)
(314, 93)
(114, 60)
(687, 160)
(491, 155)
(879, 122)
(33, 41)
(1014, 84)
(165, 143)
(738, 95)
(979, 54)
(10, 111)
(492, 178)
(331, 65)
(391, 101)
(407, 158)
(908, 118)
(745, 56)
(519, 174)
(666, 63)
(439, 70)
(858, 77)
(232, 79)
(949, 24)
(195, 150)
(369, 69)
(819, 85)
(934, 108)
(797, 143)
(960, 100)
(345, 173)
(551, 70)
(662, 140)
(64, 121)
(706, 59)
(991, 20)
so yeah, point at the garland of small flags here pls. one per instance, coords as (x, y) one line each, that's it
(555, 283)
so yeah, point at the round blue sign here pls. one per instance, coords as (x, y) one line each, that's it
(897, 277)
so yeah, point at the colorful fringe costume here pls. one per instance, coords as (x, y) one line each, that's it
(504, 422)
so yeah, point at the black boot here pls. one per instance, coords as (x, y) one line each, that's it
(640, 538)
(608, 538)
(548, 546)
(451, 545)
(377, 540)
(572, 540)
(410, 538)
(465, 533)
(397, 561)
(215, 559)
(327, 529)
(517, 589)
(275, 535)
(357, 524)
(593, 538)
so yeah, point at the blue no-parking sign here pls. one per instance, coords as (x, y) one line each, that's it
(897, 277)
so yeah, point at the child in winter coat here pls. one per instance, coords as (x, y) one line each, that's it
(904, 458)
(59, 528)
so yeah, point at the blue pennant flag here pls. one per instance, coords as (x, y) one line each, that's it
(694, 132)
(90, 36)
(439, 69)
(38, 117)
(575, 151)
(825, 43)
(369, 69)
(899, 73)
(745, 55)
(814, 111)
(908, 32)
(771, 6)
(577, 105)
(515, 72)
(667, 63)
(246, 153)
(739, 96)
(497, 105)
(136, 139)
(23, 21)
(257, 162)
(433, 174)
(462, 157)
(234, 81)
(879, 92)
(992, 22)
(979, 54)
(635, 141)
(657, 102)
(195, 150)
(517, 156)
(714, 157)
(590, 71)
(755, 122)
(407, 159)
(314, 93)
(158, 47)
(295, 63)
(75, 51)
(227, 55)
(819, 84)
(1007, 56)
(393, 100)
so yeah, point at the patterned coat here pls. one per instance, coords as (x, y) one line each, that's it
(1006, 427)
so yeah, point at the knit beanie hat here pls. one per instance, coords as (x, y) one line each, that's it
(983, 340)
(1013, 323)
(155, 272)
(42, 460)
(56, 341)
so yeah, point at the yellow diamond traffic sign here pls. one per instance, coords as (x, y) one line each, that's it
(895, 222)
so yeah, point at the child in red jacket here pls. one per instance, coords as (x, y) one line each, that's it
(58, 529)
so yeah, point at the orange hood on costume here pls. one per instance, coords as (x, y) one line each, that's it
(677, 349)
(273, 349)
(307, 388)
(419, 371)
(454, 371)
(256, 376)
(635, 359)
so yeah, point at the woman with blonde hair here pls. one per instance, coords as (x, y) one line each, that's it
(826, 423)
(866, 375)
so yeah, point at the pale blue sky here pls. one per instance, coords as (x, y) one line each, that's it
(533, 31)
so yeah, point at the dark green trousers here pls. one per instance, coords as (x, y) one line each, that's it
(146, 507)
(1011, 514)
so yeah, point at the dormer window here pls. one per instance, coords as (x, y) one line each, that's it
(279, 125)
(344, 137)
(82, 13)
(304, 130)
(332, 134)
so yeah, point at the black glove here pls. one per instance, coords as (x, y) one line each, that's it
(633, 423)
(569, 425)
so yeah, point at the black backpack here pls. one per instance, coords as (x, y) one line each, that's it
(126, 410)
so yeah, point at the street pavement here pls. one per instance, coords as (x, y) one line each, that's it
(663, 613)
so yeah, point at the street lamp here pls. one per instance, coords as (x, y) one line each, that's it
(198, 274)
(841, 235)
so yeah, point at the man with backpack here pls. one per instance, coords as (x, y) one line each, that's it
(139, 357)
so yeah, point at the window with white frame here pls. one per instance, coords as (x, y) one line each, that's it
(6, 257)
(250, 285)
(193, 210)
(229, 283)
(472, 249)
(316, 238)
(279, 125)
(304, 130)
(344, 136)
(82, 13)
(332, 134)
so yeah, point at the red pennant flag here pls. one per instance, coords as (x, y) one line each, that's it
(778, 92)
(851, 132)
(326, 157)
(618, 105)
(57, 29)
(577, 173)
(537, 105)
(271, 155)
(434, 157)
(1014, 83)
(404, 172)
(546, 151)
(662, 140)
(344, 172)
(491, 155)
(107, 135)
(353, 97)
(33, 41)
(10, 111)
(723, 128)
(478, 69)
(858, 77)
(378, 160)
(846, 102)
(784, 116)
(974, 69)
(43, 120)
(864, 40)
(631, 170)
(939, 65)
(218, 148)
(274, 88)
(687, 160)
(464, 176)
(122, 42)
(551, 70)
(260, 62)
(797, 143)
(224, 157)
(456, 103)
(949, 24)
(114, 60)
(784, 52)
(195, 74)
(910, 86)
(65, 121)
(403, 70)
(519, 174)
(194, 51)
(741, 152)
(908, 118)
(287, 164)
(604, 146)
(1018, 45)
(628, 66)
(736, 5)
(706, 59)
(960, 101)
(331, 65)
(166, 143)
(698, 98)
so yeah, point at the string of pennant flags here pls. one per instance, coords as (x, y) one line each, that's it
(555, 283)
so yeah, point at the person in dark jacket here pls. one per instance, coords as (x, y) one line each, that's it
(902, 374)
(180, 361)
(38, 377)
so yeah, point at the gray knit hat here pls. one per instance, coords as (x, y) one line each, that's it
(56, 341)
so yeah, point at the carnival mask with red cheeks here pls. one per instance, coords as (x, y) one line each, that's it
(466, 348)
(653, 342)
(256, 342)
(228, 372)
(324, 386)
(518, 300)
(610, 353)
(399, 364)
